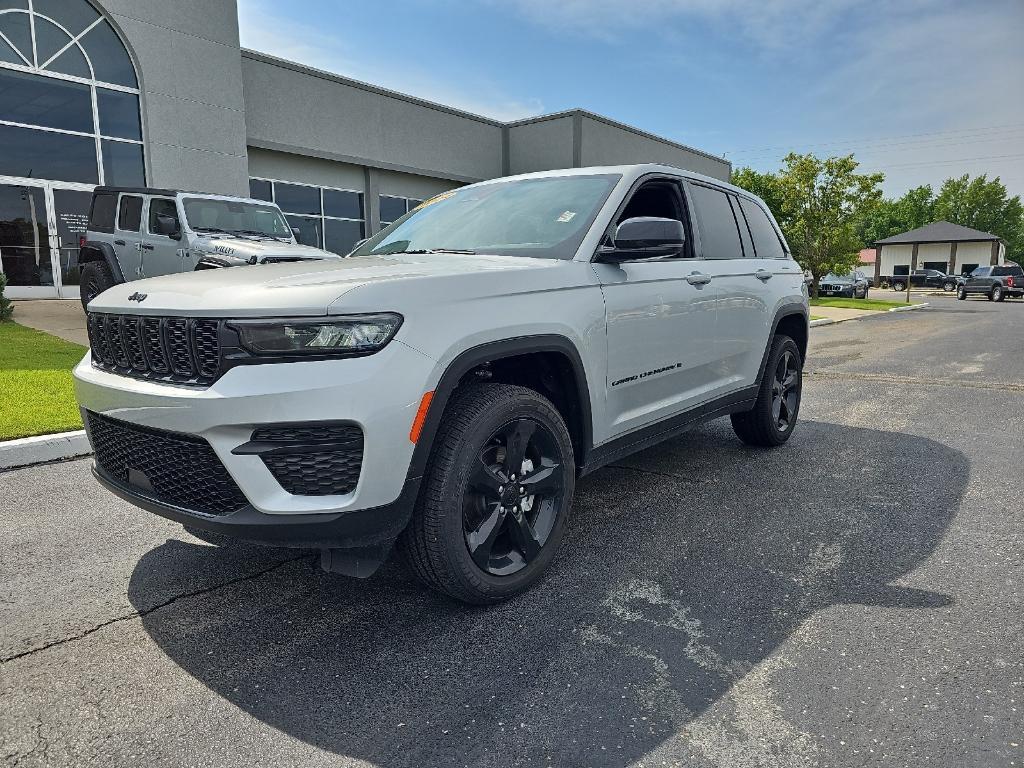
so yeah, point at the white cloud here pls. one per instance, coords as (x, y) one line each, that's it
(279, 34)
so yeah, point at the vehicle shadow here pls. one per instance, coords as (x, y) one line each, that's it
(686, 566)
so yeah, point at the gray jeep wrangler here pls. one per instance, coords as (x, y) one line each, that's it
(141, 232)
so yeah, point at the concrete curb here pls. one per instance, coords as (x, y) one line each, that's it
(922, 305)
(823, 321)
(36, 450)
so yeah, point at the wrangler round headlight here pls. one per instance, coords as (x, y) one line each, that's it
(350, 334)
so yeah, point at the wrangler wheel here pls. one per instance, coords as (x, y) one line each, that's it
(95, 279)
(496, 496)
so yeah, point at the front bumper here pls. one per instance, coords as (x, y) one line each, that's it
(379, 393)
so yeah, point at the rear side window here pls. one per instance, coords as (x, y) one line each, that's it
(719, 235)
(1004, 271)
(161, 206)
(101, 216)
(129, 213)
(766, 239)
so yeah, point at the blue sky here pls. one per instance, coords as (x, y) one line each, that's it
(918, 89)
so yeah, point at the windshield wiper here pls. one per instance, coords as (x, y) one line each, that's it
(214, 231)
(460, 251)
(257, 233)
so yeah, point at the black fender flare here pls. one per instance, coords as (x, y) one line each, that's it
(97, 250)
(469, 359)
(786, 310)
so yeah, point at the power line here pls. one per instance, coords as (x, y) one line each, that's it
(950, 162)
(878, 139)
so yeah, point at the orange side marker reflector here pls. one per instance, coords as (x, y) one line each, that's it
(421, 417)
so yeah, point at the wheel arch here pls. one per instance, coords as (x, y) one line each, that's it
(95, 250)
(549, 364)
(792, 320)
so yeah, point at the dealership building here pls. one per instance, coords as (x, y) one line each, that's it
(149, 92)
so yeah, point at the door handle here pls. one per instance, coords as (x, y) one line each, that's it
(763, 275)
(119, 242)
(147, 247)
(698, 278)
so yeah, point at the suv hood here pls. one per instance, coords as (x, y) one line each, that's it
(308, 288)
(240, 250)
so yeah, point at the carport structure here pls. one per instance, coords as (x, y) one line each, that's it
(941, 245)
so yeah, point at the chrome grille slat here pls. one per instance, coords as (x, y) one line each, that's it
(174, 349)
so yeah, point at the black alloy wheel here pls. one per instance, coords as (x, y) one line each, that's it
(785, 391)
(513, 496)
(961, 293)
(495, 498)
(948, 286)
(772, 419)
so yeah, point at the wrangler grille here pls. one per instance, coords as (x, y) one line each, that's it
(177, 469)
(168, 348)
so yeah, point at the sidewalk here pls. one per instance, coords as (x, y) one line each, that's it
(838, 314)
(63, 318)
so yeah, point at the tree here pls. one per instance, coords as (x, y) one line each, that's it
(982, 204)
(891, 217)
(764, 185)
(821, 202)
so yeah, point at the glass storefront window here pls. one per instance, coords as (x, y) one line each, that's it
(122, 164)
(119, 114)
(337, 228)
(45, 155)
(24, 236)
(45, 101)
(391, 208)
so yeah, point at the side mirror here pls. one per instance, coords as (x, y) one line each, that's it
(168, 225)
(296, 232)
(644, 237)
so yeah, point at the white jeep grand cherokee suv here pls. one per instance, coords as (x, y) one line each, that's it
(446, 384)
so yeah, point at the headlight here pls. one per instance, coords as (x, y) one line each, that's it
(352, 334)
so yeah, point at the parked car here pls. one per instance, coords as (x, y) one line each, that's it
(140, 232)
(448, 382)
(994, 282)
(924, 278)
(855, 285)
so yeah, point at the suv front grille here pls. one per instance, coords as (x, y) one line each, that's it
(167, 348)
(177, 469)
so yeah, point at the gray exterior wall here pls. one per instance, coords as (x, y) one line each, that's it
(360, 124)
(605, 142)
(189, 64)
(540, 145)
(281, 166)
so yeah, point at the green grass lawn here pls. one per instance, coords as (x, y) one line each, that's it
(36, 395)
(827, 301)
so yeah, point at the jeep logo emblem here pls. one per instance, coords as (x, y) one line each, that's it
(137, 296)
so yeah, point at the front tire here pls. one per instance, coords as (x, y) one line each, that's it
(772, 419)
(997, 293)
(961, 293)
(496, 496)
(948, 287)
(95, 279)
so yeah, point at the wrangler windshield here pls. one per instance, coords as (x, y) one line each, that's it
(542, 217)
(235, 217)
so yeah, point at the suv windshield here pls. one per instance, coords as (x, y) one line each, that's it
(543, 218)
(235, 217)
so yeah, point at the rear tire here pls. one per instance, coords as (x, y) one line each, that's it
(899, 287)
(96, 278)
(772, 419)
(459, 510)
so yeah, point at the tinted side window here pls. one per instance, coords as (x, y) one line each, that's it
(129, 214)
(981, 272)
(766, 239)
(161, 206)
(719, 235)
(101, 216)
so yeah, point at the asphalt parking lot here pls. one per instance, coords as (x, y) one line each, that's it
(851, 599)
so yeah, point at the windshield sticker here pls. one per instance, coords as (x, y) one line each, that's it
(566, 216)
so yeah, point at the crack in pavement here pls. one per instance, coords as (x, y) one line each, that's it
(1006, 386)
(140, 614)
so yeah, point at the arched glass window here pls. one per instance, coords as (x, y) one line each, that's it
(69, 96)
